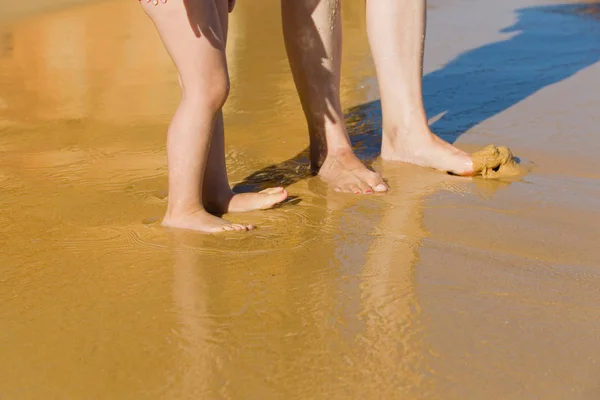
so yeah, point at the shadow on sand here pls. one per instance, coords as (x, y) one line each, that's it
(550, 44)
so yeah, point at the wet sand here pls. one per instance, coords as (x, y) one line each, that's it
(445, 288)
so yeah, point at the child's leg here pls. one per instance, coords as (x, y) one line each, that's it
(396, 30)
(192, 34)
(217, 194)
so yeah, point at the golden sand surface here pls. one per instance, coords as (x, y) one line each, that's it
(444, 288)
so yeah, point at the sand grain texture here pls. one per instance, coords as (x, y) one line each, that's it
(494, 162)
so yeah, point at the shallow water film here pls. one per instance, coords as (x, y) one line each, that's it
(444, 288)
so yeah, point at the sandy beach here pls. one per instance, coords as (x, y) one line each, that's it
(443, 288)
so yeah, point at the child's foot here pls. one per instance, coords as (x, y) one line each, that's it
(202, 221)
(428, 150)
(228, 202)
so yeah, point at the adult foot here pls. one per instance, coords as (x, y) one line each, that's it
(201, 220)
(427, 150)
(344, 172)
(226, 201)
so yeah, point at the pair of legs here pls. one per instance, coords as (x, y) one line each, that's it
(194, 33)
(396, 31)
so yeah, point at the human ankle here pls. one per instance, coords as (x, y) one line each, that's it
(402, 133)
(329, 155)
(327, 141)
(175, 210)
(217, 198)
(340, 152)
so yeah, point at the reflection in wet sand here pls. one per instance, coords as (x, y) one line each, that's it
(340, 323)
(445, 288)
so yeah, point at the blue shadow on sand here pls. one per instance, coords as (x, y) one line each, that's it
(548, 44)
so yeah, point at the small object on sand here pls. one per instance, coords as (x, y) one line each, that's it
(494, 162)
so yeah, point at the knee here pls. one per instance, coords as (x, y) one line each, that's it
(211, 92)
(217, 94)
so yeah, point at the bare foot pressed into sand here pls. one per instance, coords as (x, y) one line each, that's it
(203, 220)
(229, 202)
(428, 150)
(344, 172)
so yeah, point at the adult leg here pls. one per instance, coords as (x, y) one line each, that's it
(192, 33)
(313, 38)
(396, 30)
